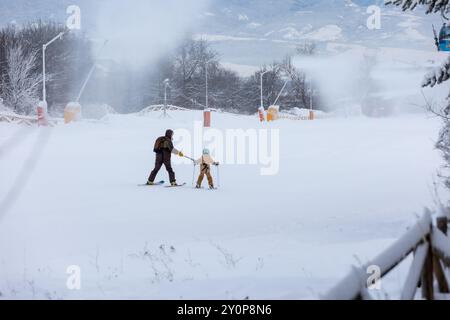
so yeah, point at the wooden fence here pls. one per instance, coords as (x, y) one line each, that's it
(160, 108)
(19, 119)
(429, 244)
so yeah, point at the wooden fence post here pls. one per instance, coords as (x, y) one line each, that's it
(427, 276)
(442, 225)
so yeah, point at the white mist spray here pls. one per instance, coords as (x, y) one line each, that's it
(141, 31)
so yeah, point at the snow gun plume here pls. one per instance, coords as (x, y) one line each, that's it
(142, 31)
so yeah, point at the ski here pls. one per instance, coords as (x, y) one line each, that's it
(178, 185)
(211, 189)
(160, 183)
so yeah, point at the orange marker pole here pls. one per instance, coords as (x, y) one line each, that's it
(261, 112)
(42, 114)
(207, 118)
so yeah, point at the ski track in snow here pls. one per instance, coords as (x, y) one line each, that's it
(346, 189)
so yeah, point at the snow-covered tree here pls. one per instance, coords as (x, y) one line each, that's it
(433, 6)
(437, 76)
(68, 61)
(20, 84)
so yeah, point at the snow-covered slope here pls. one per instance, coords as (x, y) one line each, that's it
(346, 187)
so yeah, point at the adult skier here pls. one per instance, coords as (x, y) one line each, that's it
(164, 149)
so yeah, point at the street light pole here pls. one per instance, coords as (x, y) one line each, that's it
(206, 82)
(166, 84)
(44, 91)
(311, 107)
(262, 99)
(44, 76)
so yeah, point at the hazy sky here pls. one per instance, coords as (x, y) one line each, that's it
(140, 31)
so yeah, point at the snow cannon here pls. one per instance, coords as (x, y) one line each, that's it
(443, 40)
(207, 118)
(42, 114)
(261, 114)
(273, 113)
(72, 112)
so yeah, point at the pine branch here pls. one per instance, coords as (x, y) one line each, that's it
(433, 6)
(438, 75)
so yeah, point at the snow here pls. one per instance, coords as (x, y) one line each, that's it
(97, 111)
(350, 287)
(218, 37)
(291, 33)
(304, 113)
(326, 33)
(410, 27)
(347, 187)
(254, 25)
(397, 74)
(243, 17)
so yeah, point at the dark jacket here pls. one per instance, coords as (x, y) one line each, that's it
(165, 144)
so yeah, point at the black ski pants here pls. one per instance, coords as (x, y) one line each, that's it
(163, 158)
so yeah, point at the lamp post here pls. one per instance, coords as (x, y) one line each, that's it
(166, 84)
(206, 81)
(207, 112)
(311, 105)
(261, 76)
(44, 76)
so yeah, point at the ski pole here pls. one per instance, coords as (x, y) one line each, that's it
(193, 175)
(218, 177)
(189, 158)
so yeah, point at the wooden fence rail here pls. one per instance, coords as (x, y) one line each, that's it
(20, 119)
(431, 248)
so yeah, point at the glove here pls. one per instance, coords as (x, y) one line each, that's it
(181, 154)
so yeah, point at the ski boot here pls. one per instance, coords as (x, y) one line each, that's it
(174, 184)
(211, 186)
(198, 186)
(150, 183)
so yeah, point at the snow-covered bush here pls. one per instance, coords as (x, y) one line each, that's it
(20, 84)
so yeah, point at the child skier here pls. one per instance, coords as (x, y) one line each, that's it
(205, 163)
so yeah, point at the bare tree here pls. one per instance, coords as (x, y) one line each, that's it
(20, 83)
(307, 48)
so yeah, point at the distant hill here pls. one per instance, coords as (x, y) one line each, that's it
(254, 31)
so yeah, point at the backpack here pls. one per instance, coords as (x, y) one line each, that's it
(158, 148)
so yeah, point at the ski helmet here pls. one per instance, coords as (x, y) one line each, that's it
(206, 151)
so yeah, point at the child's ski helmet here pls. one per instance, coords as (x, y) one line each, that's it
(206, 151)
